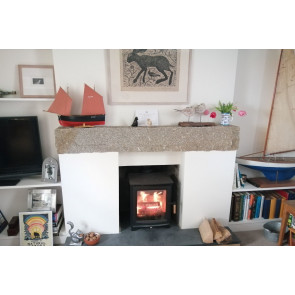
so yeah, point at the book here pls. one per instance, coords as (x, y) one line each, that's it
(56, 229)
(258, 204)
(242, 206)
(261, 205)
(230, 218)
(235, 176)
(57, 214)
(238, 182)
(283, 193)
(272, 207)
(291, 194)
(251, 200)
(266, 207)
(247, 198)
(253, 206)
(278, 204)
(236, 209)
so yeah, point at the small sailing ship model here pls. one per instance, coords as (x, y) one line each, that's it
(281, 127)
(93, 112)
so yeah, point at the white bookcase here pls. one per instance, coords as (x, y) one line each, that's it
(13, 199)
(256, 223)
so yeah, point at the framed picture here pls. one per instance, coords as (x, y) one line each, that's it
(148, 76)
(49, 170)
(42, 200)
(3, 221)
(36, 228)
(36, 81)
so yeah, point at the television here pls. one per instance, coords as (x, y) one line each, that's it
(20, 149)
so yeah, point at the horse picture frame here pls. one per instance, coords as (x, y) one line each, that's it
(148, 76)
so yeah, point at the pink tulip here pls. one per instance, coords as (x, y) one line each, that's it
(206, 112)
(213, 115)
(242, 113)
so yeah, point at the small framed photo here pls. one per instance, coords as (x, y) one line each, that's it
(49, 170)
(36, 81)
(3, 222)
(42, 200)
(36, 228)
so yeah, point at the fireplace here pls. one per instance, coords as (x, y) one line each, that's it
(150, 200)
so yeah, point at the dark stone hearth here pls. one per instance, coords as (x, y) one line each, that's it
(172, 236)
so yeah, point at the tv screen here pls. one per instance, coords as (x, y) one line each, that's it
(20, 147)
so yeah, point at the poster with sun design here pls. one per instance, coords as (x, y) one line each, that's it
(36, 228)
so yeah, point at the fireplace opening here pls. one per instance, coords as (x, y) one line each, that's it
(148, 196)
(150, 200)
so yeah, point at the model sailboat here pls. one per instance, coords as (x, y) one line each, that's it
(93, 112)
(280, 136)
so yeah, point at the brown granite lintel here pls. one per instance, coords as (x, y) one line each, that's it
(146, 139)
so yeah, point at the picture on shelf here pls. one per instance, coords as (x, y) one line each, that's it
(42, 199)
(36, 228)
(49, 170)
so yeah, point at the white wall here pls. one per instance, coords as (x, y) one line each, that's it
(255, 81)
(212, 77)
(245, 76)
(9, 81)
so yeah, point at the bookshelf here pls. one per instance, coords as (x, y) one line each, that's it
(255, 223)
(9, 196)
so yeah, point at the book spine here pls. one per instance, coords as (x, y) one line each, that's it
(266, 207)
(236, 216)
(250, 206)
(231, 208)
(253, 207)
(261, 206)
(258, 204)
(242, 207)
(246, 206)
(272, 207)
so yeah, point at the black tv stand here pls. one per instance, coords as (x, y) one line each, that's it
(9, 182)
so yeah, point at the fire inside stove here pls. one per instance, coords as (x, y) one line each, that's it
(151, 204)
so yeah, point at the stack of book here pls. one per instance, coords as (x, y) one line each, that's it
(238, 179)
(57, 219)
(266, 204)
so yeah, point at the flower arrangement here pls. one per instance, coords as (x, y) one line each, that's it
(227, 108)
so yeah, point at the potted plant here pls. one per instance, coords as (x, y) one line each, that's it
(226, 110)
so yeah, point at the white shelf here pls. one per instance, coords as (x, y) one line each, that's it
(250, 187)
(32, 182)
(6, 240)
(20, 99)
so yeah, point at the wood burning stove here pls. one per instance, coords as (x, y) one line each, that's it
(150, 200)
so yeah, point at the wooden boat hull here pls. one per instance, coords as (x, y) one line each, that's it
(273, 168)
(80, 120)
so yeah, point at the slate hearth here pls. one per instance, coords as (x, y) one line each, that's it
(172, 236)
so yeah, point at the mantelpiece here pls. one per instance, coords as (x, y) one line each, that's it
(146, 139)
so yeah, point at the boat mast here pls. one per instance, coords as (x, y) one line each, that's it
(272, 104)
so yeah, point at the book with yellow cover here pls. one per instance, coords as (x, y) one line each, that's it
(272, 210)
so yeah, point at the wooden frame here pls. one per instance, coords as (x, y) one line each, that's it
(148, 76)
(42, 200)
(36, 81)
(36, 228)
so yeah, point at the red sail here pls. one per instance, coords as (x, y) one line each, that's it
(62, 104)
(92, 102)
